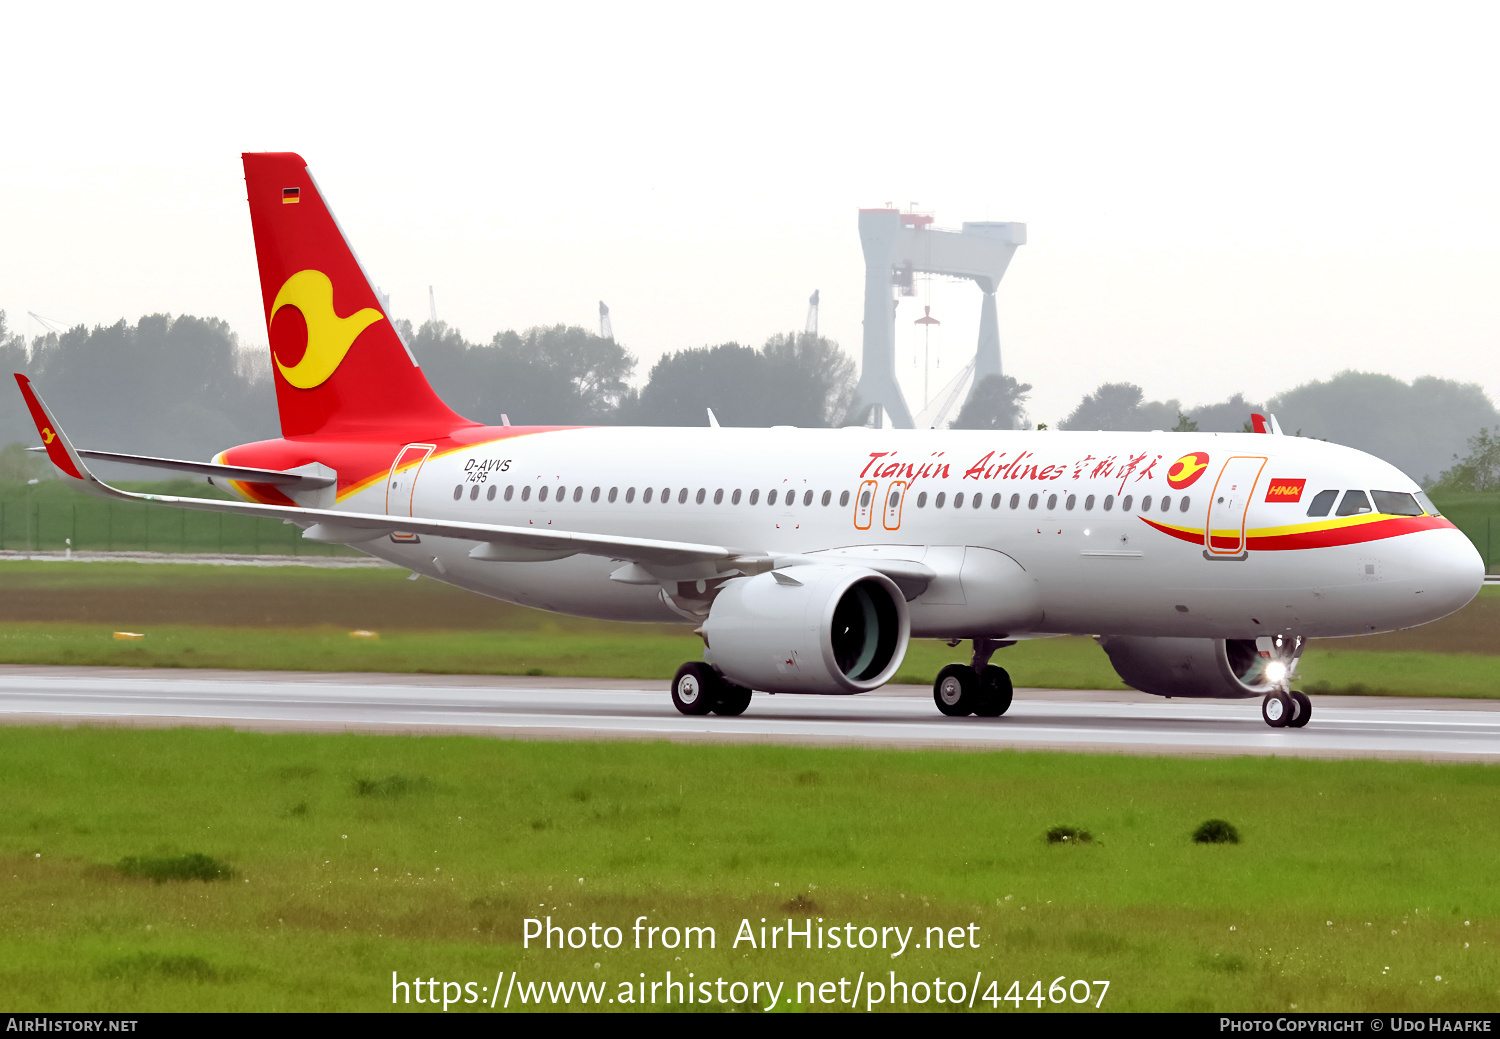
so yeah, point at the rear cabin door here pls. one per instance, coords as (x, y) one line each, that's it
(1233, 491)
(401, 485)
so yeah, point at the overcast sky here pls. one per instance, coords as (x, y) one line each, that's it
(1219, 198)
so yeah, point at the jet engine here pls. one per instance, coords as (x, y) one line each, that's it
(808, 629)
(1221, 668)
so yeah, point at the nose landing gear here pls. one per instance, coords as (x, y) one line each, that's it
(1286, 709)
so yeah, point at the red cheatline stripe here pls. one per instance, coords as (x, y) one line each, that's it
(1327, 537)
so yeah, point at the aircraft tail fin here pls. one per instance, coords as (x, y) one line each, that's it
(338, 363)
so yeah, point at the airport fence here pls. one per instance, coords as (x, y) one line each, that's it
(40, 519)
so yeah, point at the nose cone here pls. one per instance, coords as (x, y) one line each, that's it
(1446, 569)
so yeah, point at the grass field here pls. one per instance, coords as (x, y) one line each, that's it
(1356, 885)
(299, 618)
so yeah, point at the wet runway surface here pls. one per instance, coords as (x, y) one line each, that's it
(901, 716)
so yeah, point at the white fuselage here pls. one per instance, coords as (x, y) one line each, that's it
(1093, 562)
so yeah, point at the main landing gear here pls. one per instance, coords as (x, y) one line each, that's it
(1286, 709)
(699, 689)
(979, 688)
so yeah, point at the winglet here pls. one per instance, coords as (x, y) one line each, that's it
(59, 450)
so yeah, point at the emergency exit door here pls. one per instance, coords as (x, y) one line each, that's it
(401, 485)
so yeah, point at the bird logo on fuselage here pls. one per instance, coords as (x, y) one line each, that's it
(1186, 470)
(329, 336)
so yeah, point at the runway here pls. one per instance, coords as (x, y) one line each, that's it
(899, 716)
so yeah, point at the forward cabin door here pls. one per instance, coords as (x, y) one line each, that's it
(1225, 535)
(401, 485)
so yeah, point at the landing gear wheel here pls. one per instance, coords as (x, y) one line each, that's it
(1304, 710)
(956, 690)
(1277, 709)
(995, 692)
(733, 699)
(696, 688)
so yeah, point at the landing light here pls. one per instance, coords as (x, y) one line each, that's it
(1276, 672)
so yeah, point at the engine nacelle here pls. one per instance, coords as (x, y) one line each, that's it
(1221, 668)
(808, 629)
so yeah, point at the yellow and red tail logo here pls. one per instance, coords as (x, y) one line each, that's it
(339, 364)
(1186, 470)
(1285, 490)
(329, 336)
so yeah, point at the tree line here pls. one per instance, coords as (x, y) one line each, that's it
(182, 386)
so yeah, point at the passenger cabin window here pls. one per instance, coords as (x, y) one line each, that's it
(489, 495)
(526, 493)
(629, 495)
(734, 499)
(1015, 501)
(843, 499)
(1322, 502)
(1125, 505)
(1396, 503)
(770, 497)
(755, 496)
(922, 500)
(510, 491)
(827, 497)
(1354, 504)
(614, 492)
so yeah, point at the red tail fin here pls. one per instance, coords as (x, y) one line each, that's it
(339, 365)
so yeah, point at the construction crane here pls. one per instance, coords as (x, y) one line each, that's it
(51, 326)
(812, 314)
(431, 305)
(606, 328)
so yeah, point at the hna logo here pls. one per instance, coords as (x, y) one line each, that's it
(1285, 490)
(1186, 470)
(329, 336)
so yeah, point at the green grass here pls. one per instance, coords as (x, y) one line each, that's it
(298, 618)
(1354, 885)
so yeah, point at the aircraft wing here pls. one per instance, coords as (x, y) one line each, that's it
(292, 481)
(354, 527)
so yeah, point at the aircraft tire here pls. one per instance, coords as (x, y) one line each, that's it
(956, 690)
(995, 693)
(1277, 709)
(695, 689)
(1304, 710)
(733, 699)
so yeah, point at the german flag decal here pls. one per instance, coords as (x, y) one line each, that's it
(289, 195)
(1285, 490)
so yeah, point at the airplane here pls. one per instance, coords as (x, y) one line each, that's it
(807, 559)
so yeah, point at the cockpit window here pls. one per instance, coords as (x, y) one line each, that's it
(1427, 504)
(1355, 503)
(1396, 503)
(1322, 502)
